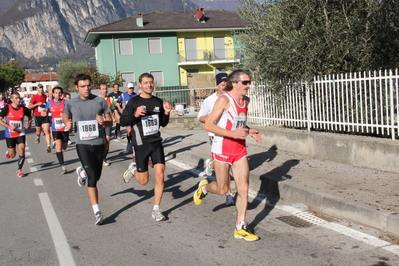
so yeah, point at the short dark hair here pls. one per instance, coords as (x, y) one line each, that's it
(147, 75)
(102, 83)
(235, 77)
(15, 93)
(115, 84)
(58, 88)
(80, 77)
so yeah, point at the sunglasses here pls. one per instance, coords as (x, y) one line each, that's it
(245, 82)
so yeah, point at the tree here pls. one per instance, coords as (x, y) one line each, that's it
(98, 77)
(68, 70)
(11, 75)
(297, 39)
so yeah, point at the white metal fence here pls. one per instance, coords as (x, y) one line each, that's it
(364, 103)
(359, 103)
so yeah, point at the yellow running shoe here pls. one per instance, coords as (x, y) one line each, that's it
(199, 194)
(245, 234)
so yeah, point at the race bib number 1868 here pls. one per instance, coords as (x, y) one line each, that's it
(88, 129)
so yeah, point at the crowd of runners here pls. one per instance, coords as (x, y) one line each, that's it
(92, 117)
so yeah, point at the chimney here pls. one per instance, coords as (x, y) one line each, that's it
(139, 20)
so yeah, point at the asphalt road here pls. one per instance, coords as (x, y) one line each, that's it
(46, 219)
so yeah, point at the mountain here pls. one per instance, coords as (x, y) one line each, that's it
(217, 4)
(4, 4)
(40, 30)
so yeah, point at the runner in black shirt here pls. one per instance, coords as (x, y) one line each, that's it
(146, 114)
(115, 94)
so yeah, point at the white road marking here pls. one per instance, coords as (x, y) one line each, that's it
(29, 160)
(393, 248)
(371, 240)
(365, 238)
(60, 242)
(33, 169)
(38, 182)
(27, 153)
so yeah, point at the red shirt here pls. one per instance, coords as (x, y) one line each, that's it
(38, 99)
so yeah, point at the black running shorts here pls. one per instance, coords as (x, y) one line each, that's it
(13, 142)
(145, 151)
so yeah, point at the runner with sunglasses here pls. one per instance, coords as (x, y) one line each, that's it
(228, 121)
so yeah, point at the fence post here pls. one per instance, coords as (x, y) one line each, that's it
(308, 116)
(391, 88)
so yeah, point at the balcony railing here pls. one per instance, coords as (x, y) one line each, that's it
(229, 54)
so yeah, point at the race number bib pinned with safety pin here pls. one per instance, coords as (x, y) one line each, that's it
(88, 129)
(58, 123)
(150, 124)
(17, 124)
(240, 121)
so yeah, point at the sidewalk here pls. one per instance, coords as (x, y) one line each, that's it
(362, 195)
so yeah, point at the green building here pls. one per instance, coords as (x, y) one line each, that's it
(168, 44)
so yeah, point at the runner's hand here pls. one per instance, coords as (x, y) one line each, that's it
(167, 107)
(100, 119)
(69, 125)
(140, 111)
(255, 135)
(240, 133)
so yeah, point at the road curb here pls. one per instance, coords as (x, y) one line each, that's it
(317, 200)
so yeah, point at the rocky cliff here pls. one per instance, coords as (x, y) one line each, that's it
(37, 29)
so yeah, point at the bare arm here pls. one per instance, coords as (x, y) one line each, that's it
(222, 104)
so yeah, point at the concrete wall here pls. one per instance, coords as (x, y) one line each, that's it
(369, 152)
(184, 122)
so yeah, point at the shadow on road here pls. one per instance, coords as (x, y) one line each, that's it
(171, 186)
(269, 190)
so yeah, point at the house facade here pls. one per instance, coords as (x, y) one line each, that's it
(29, 85)
(170, 45)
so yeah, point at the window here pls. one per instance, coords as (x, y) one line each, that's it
(191, 49)
(158, 77)
(155, 46)
(219, 48)
(128, 77)
(125, 46)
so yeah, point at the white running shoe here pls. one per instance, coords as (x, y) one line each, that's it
(81, 180)
(99, 218)
(128, 174)
(158, 216)
(208, 170)
(63, 170)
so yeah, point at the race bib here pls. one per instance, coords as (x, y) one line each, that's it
(58, 124)
(41, 108)
(88, 129)
(150, 124)
(239, 121)
(17, 124)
